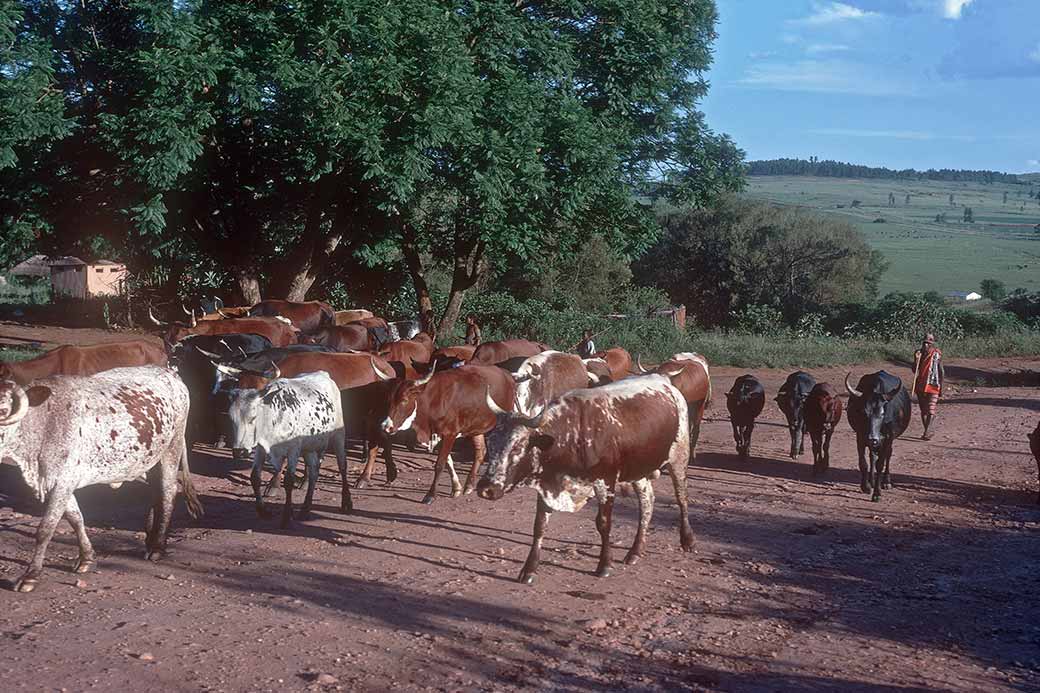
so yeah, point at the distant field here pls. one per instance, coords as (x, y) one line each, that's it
(924, 255)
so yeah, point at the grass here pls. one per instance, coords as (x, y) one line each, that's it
(18, 353)
(925, 255)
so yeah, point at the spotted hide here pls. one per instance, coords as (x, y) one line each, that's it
(288, 418)
(67, 432)
(583, 445)
(544, 377)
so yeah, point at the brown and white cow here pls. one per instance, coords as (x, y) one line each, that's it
(305, 316)
(67, 432)
(278, 330)
(85, 360)
(599, 372)
(689, 374)
(491, 353)
(446, 405)
(583, 445)
(341, 338)
(618, 361)
(544, 377)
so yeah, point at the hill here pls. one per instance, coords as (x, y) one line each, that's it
(840, 169)
(926, 255)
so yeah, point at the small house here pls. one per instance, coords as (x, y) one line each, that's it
(964, 295)
(72, 277)
(36, 267)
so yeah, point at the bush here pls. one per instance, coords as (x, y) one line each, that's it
(25, 290)
(757, 319)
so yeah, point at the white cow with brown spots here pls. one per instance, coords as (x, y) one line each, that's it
(67, 432)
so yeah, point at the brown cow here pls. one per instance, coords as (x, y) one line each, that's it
(406, 353)
(348, 370)
(225, 313)
(1034, 445)
(340, 337)
(305, 316)
(599, 372)
(84, 360)
(345, 317)
(490, 353)
(689, 374)
(618, 361)
(446, 405)
(423, 338)
(583, 445)
(822, 413)
(463, 352)
(544, 377)
(278, 330)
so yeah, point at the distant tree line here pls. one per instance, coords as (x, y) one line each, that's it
(840, 169)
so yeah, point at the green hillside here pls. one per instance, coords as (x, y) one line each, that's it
(924, 255)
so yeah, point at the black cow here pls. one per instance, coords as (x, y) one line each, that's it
(791, 399)
(1034, 445)
(745, 401)
(879, 412)
(192, 358)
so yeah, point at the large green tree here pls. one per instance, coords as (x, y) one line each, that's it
(264, 140)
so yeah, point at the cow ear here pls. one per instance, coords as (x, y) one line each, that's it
(38, 395)
(542, 441)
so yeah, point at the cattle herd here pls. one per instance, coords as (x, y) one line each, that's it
(281, 381)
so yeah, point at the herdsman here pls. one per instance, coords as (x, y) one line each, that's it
(586, 347)
(929, 376)
(473, 336)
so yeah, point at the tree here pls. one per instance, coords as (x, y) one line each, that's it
(907, 201)
(951, 199)
(993, 289)
(969, 215)
(1005, 197)
(741, 253)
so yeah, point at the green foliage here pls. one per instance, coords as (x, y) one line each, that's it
(739, 253)
(757, 319)
(1025, 306)
(25, 291)
(993, 289)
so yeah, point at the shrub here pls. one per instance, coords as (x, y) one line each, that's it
(757, 319)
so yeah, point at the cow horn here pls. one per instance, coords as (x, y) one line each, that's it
(639, 365)
(852, 391)
(273, 373)
(492, 404)
(672, 374)
(426, 378)
(222, 313)
(209, 354)
(380, 374)
(21, 406)
(194, 322)
(521, 378)
(186, 311)
(230, 371)
(243, 352)
(226, 345)
(151, 316)
(536, 420)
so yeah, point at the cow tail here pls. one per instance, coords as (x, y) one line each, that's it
(191, 497)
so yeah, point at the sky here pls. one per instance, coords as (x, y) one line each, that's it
(897, 83)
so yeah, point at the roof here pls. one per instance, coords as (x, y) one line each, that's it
(963, 294)
(36, 266)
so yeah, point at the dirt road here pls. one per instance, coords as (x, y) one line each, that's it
(794, 585)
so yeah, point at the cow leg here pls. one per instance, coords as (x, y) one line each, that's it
(339, 447)
(541, 519)
(827, 435)
(277, 471)
(864, 469)
(456, 485)
(165, 493)
(288, 483)
(817, 451)
(86, 551)
(875, 472)
(737, 437)
(57, 502)
(443, 455)
(605, 496)
(696, 415)
(801, 438)
(886, 456)
(645, 494)
(678, 474)
(254, 478)
(479, 452)
(747, 439)
(312, 465)
(794, 443)
(369, 453)
(388, 460)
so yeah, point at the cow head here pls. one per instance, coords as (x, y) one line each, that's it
(515, 449)
(872, 403)
(791, 400)
(404, 399)
(15, 403)
(742, 392)
(528, 387)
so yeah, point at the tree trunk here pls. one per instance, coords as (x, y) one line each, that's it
(321, 237)
(248, 286)
(423, 300)
(468, 258)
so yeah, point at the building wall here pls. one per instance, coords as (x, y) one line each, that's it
(85, 281)
(69, 280)
(104, 280)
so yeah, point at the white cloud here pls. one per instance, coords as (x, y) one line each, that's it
(832, 77)
(952, 9)
(763, 55)
(917, 135)
(831, 12)
(1033, 162)
(817, 48)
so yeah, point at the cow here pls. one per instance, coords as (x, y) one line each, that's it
(406, 353)
(288, 418)
(231, 369)
(599, 372)
(278, 330)
(490, 353)
(544, 377)
(618, 361)
(341, 338)
(345, 317)
(404, 329)
(585, 443)
(424, 339)
(367, 407)
(68, 432)
(791, 400)
(822, 413)
(223, 313)
(306, 316)
(879, 412)
(347, 370)
(379, 333)
(688, 372)
(745, 401)
(85, 360)
(1034, 446)
(463, 352)
(446, 405)
(194, 358)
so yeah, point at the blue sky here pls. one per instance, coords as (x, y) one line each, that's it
(898, 83)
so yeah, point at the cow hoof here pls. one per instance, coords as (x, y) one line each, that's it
(84, 565)
(346, 507)
(361, 483)
(456, 492)
(875, 498)
(154, 555)
(469, 489)
(603, 572)
(391, 474)
(428, 499)
(863, 488)
(632, 559)
(25, 585)
(526, 578)
(885, 485)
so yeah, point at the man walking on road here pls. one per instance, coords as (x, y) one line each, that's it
(929, 376)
